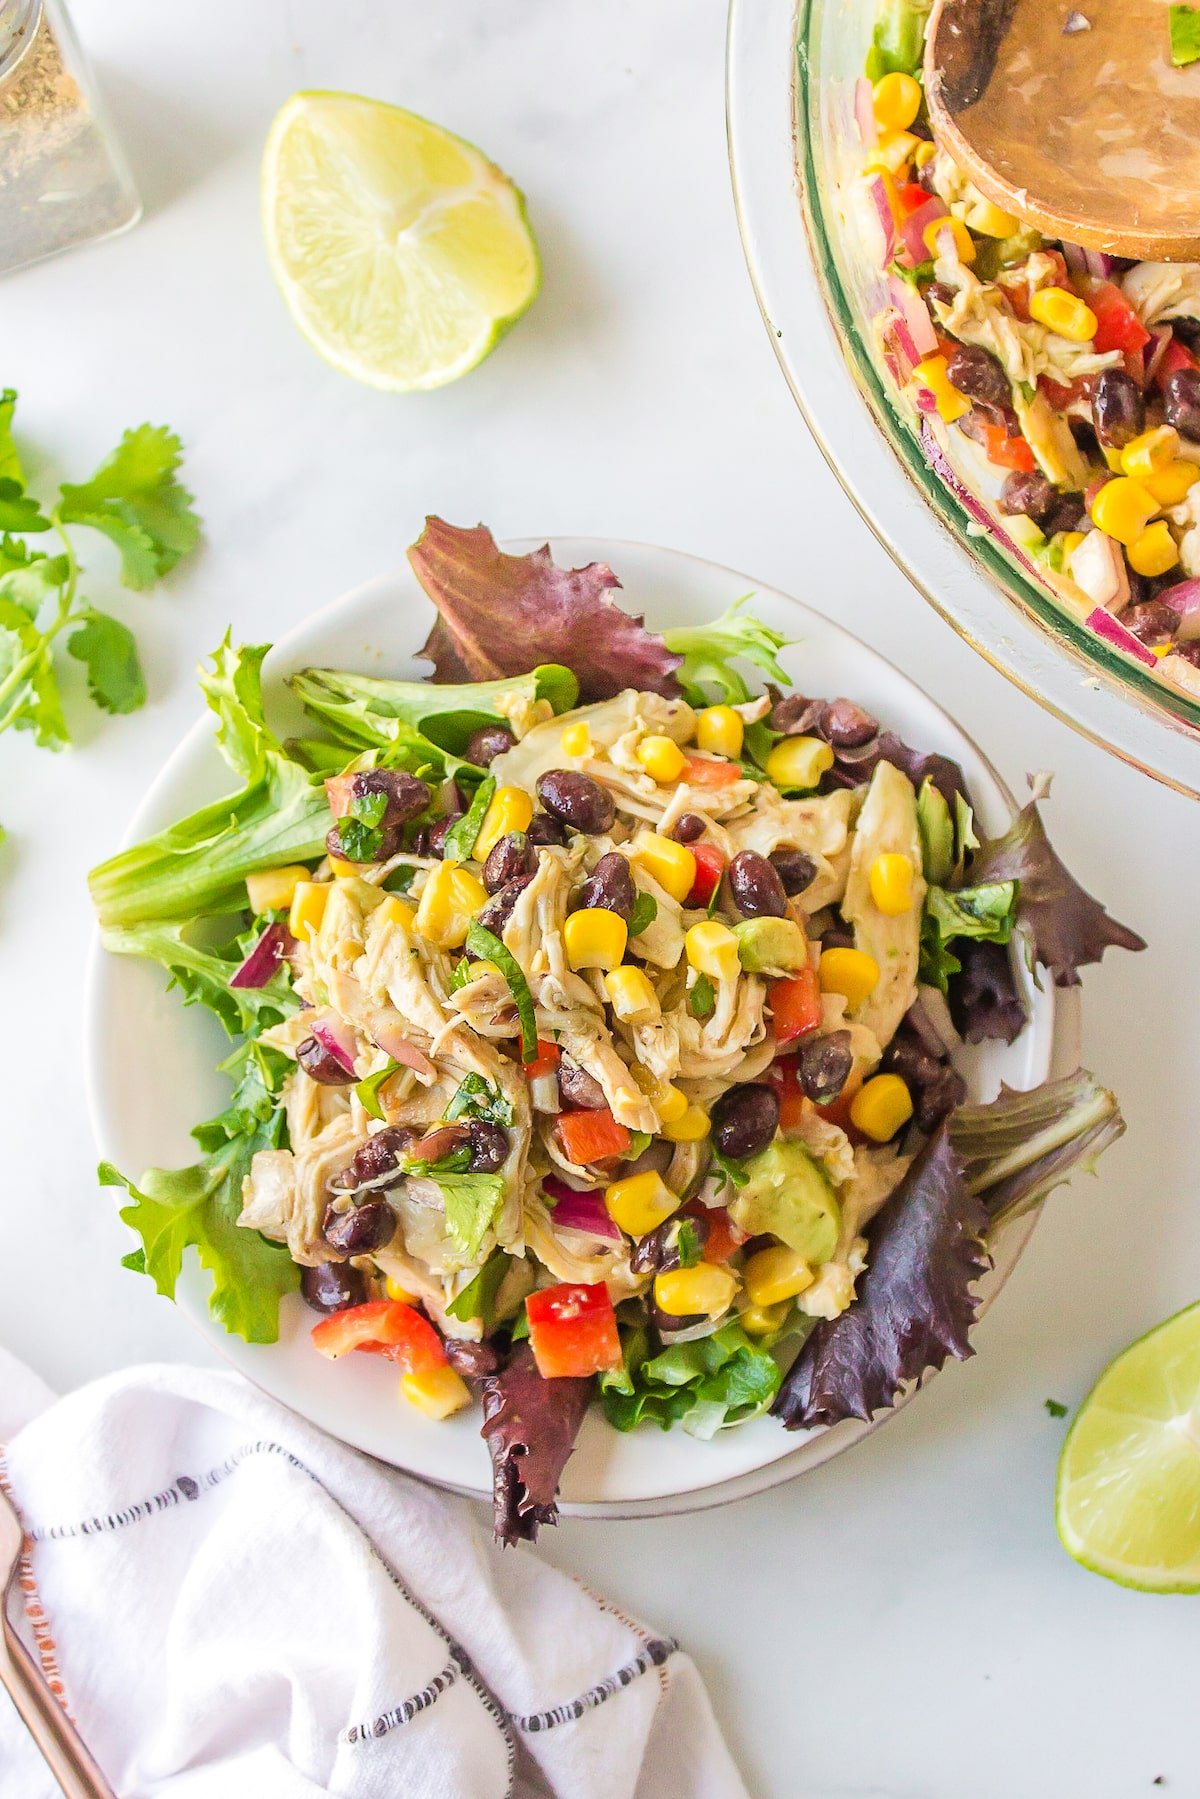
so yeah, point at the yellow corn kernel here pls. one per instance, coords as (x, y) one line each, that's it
(667, 1100)
(1172, 484)
(341, 870)
(631, 996)
(1151, 452)
(760, 1321)
(1063, 313)
(669, 863)
(799, 761)
(705, 1288)
(1071, 541)
(576, 740)
(691, 1127)
(989, 220)
(712, 949)
(892, 154)
(439, 1392)
(891, 882)
(776, 1274)
(395, 911)
(308, 908)
(924, 154)
(640, 1203)
(720, 732)
(1122, 509)
(1155, 551)
(272, 889)
(395, 1291)
(511, 810)
(451, 899)
(881, 1106)
(595, 938)
(662, 759)
(896, 101)
(1112, 457)
(935, 234)
(933, 373)
(851, 972)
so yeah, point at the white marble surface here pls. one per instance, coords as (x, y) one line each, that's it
(903, 1622)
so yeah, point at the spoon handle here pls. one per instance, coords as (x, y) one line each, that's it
(66, 1754)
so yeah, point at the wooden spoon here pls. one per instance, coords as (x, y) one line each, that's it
(1069, 114)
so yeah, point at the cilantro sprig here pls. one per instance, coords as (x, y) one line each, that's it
(137, 501)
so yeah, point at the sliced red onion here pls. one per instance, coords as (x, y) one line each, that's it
(915, 314)
(578, 1211)
(899, 350)
(915, 225)
(259, 967)
(334, 1035)
(1184, 598)
(925, 400)
(1160, 341)
(940, 463)
(1113, 631)
(864, 113)
(1075, 258)
(886, 220)
(1100, 265)
(389, 1031)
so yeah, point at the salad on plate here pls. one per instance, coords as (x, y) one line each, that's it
(595, 1020)
(1056, 390)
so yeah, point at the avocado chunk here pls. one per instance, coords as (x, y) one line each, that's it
(787, 1195)
(770, 943)
(937, 834)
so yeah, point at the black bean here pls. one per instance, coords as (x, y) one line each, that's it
(845, 725)
(1181, 402)
(688, 827)
(1067, 514)
(744, 1120)
(332, 1286)
(658, 1251)
(544, 831)
(837, 935)
(472, 1360)
(359, 1229)
(438, 832)
(796, 870)
(489, 1145)
(443, 1140)
(795, 715)
(757, 889)
(1190, 652)
(378, 1157)
(577, 800)
(514, 855)
(578, 1090)
(406, 794)
(978, 374)
(498, 911)
(935, 1086)
(1118, 408)
(319, 1064)
(490, 741)
(1152, 622)
(823, 1065)
(609, 887)
(1030, 494)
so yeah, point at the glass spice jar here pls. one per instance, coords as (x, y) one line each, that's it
(63, 179)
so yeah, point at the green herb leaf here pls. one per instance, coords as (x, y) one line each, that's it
(687, 1243)
(460, 838)
(18, 511)
(29, 697)
(400, 879)
(485, 944)
(734, 1172)
(702, 998)
(1055, 1408)
(1185, 35)
(461, 974)
(639, 1143)
(645, 911)
(108, 649)
(360, 842)
(368, 1089)
(10, 462)
(478, 1297)
(472, 1202)
(477, 1098)
(136, 500)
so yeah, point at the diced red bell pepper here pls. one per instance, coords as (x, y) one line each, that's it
(591, 1136)
(795, 1005)
(709, 771)
(909, 198)
(791, 1097)
(1118, 326)
(723, 1238)
(572, 1330)
(1005, 451)
(1062, 395)
(1175, 356)
(710, 866)
(384, 1327)
(545, 1062)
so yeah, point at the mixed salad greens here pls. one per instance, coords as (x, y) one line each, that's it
(594, 1023)
(1053, 385)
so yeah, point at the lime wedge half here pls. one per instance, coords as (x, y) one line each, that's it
(1129, 1477)
(402, 252)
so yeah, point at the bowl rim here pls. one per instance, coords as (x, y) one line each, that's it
(1059, 1027)
(1034, 644)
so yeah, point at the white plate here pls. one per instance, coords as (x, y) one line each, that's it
(151, 1063)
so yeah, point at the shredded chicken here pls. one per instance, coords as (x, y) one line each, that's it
(980, 314)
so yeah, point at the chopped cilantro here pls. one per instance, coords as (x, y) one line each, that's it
(485, 943)
(460, 838)
(1055, 1408)
(478, 1297)
(687, 1243)
(702, 998)
(477, 1098)
(645, 911)
(368, 1089)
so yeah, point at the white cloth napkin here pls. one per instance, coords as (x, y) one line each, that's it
(236, 1605)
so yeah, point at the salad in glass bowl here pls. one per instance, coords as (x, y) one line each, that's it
(1058, 385)
(594, 1024)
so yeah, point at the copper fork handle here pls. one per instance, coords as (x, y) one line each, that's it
(66, 1753)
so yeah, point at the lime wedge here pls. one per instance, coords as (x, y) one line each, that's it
(1129, 1477)
(402, 252)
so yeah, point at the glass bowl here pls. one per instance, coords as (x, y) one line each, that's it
(794, 150)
